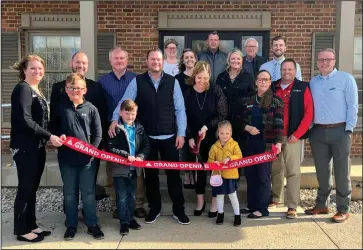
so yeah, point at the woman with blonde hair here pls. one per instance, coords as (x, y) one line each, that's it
(205, 106)
(28, 138)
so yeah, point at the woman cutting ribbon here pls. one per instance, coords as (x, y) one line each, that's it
(205, 106)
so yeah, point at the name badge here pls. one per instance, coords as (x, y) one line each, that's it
(249, 106)
(297, 90)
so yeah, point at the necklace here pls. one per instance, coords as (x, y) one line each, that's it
(205, 95)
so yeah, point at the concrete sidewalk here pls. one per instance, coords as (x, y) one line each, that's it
(311, 232)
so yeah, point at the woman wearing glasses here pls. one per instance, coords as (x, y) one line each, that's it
(28, 137)
(205, 107)
(263, 120)
(171, 62)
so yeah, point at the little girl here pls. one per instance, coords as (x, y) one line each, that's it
(224, 150)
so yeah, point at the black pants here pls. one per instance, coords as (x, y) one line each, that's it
(200, 176)
(30, 166)
(258, 179)
(168, 152)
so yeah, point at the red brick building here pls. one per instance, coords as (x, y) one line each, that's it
(57, 29)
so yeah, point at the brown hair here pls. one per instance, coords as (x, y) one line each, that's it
(128, 105)
(170, 41)
(181, 65)
(23, 65)
(276, 38)
(199, 67)
(73, 77)
(266, 99)
(154, 50)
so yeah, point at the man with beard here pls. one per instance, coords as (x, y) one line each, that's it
(162, 113)
(79, 64)
(274, 66)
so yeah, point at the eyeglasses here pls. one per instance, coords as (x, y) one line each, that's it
(75, 89)
(172, 48)
(328, 60)
(259, 80)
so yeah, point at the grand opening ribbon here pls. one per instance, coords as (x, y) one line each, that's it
(88, 149)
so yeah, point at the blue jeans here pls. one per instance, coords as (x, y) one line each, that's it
(125, 190)
(77, 178)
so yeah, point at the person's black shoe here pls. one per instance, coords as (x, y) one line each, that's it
(44, 233)
(96, 232)
(199, 212)
(237, 220)
(245, 211)
(140, 212)
(134, 225)
(115, 214)
(100, 193)
(151, 217)
(220, 219)
(70, 233)
(212, 214)
(37, 239)
(182, 218)
(124, 229)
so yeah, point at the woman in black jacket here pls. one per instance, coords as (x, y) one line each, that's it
(237, 86)
(28, 137)
(205, 107)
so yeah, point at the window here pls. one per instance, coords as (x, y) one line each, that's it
(57, 51)
(228, 40)
(357, 53)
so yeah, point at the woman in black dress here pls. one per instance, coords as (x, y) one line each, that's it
(28, 137)
(205, 107)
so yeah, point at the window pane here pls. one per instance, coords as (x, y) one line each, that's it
(259, 40)
(39, 43)
(199, 45)
(358, 53)
(179, 40)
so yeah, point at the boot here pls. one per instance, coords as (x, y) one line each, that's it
(237, 220)
(220, 218)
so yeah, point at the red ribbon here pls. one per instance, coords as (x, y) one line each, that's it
(88, 149)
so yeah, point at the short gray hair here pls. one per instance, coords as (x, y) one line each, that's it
(115, 49)
(327, 50)
(251, 39)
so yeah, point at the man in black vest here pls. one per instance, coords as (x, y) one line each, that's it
(162, 113)
(79, 64)
(298, 116)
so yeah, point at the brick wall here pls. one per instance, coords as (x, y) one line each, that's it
(135, 23)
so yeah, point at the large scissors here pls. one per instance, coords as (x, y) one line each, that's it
(196, 152)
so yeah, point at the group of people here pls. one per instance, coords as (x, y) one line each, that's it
(238, 105)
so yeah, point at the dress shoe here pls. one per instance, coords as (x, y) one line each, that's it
(140, 212)
(315, 211)
(199, 212)
(291, 213)
(212, 214)
(70, 233)
(37, 239)
(245, 211)
(254, 215)
(237, 220)
(340, 217)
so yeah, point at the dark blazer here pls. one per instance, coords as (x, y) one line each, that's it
(257, 62)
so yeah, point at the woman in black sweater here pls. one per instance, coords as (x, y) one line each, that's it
(205, 107)
(237, 86)
(28, 137)
(186, 66)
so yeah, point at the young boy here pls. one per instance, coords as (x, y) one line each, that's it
(78, 118)
(132, 143)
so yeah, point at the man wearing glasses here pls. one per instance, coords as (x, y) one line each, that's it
(274, 66)
(298, 115)
(252, 62)
(79, 64)
(335, 96)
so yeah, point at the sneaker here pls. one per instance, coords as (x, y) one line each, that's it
(237, 220)
(70, 233)
(220, 219)
(151, 217)
(182, 218)
(124, 229)
(134, 225)
(291, 213)
(340, 217)
(96, 232)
